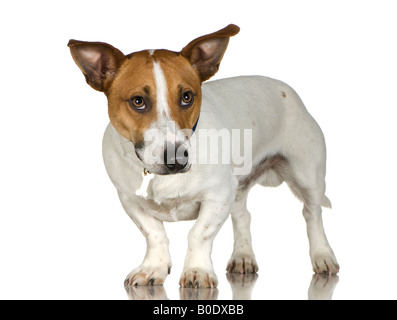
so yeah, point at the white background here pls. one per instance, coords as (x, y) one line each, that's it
(63, 232)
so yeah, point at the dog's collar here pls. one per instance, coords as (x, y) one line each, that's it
(195, 125)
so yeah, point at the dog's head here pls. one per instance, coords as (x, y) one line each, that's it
(154, 96)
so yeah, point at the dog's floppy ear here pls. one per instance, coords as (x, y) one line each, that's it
(98, 61)
(205, 53)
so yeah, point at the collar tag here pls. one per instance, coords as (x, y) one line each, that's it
(147, 177)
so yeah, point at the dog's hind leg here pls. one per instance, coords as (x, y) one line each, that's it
(307, 182)
(243, 258)
(322, 256)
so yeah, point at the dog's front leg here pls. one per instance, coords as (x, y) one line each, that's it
(198, 270)
(157, 262)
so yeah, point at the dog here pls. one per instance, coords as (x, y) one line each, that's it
(157, 104)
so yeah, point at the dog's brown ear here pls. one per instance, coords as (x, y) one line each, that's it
(205, 53)
(98, 61)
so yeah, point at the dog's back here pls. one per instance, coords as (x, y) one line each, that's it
(269, 107)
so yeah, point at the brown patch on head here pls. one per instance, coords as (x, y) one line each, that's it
(180, 77)
(283, 94)
(135, 78)
(122, 77)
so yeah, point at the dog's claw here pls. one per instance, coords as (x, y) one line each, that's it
(242, 264)
(325, 264)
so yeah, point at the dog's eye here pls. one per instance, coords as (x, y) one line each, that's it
(187, 99)
(137, 103)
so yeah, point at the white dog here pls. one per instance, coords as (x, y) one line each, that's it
(153, 95)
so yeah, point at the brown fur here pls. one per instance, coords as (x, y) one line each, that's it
(98, 61)
(135, 78)
(205, 53)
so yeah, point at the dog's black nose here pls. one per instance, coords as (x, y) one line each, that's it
(176, 159)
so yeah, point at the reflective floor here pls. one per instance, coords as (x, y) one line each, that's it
(242, 285)
(63, 231)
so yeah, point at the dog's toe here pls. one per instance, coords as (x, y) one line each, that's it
(197, 278)
(325, 264)
(144, 276)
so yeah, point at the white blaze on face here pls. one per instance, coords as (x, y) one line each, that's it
(164, 123)
(164, 131)
(163, 110)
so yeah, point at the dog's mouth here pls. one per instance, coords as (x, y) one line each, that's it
(164, 170)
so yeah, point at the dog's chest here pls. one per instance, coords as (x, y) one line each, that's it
(171, 201)
(173, 209)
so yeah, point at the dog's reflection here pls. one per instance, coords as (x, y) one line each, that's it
(242, 285)
(146, 292)
(159, 293)
(198, 293)
(322, 287)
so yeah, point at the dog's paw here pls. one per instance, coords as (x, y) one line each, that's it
(198, 278)
(325, 263)
(146, 276)
(242, 263)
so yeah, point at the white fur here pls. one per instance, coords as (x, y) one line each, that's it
(281, 126)
(163, 110)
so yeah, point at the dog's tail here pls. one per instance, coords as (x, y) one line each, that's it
(326, 202)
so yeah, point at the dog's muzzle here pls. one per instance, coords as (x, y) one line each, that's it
(174, 159)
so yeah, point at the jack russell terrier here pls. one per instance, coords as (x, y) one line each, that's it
(158, 107)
